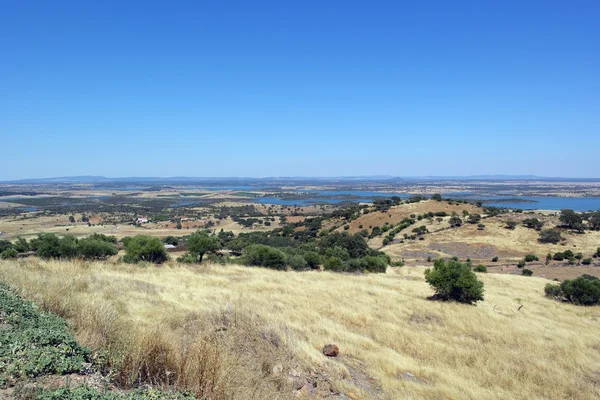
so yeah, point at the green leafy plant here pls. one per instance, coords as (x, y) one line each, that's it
(453, 280)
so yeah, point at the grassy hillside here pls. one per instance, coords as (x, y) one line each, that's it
(239, 332)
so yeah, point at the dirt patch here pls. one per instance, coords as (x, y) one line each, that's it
(465, 250)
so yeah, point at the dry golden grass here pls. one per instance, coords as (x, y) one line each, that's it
(509, 245)
(382, 323)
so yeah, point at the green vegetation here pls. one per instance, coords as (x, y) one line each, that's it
(584, 290)
(33, 342)
(533, 223)
(202, 242)
(91, 393)
(527, 272)
(550, 236)
(142, 248)
(480, 268)
(453, 280)
(531, 258)
(510, 224)
(571, 220)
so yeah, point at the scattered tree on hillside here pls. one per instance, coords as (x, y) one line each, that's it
(550, 236)
(200, 243)
(571, 219)
(455, 221)
(584, 290)
(144, 248)
(474, 218)
(453, 280)
(533, 223)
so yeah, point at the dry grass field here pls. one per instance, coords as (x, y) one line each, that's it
(251, 333)
(495, 240)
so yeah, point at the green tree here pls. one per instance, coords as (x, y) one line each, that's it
(72, 219)
(453, 280)
(550, 236)
(265, 256)
(455, 221)
(570, 219)
(313, 259)
(200, 243)
(144, 248)
(8, 253)
(533, 223)
(21, 245)
(474, 218)
(594, 220)
(95, 249)
(437, 197)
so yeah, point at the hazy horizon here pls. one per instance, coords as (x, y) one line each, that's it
(307, 89)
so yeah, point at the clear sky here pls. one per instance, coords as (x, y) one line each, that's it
(299, 88)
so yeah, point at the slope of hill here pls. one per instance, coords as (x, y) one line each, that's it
(261, 332)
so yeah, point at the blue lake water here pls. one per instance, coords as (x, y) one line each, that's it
(535, 202)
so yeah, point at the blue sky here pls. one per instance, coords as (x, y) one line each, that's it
(306, 88)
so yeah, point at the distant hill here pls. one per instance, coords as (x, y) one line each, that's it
(295, 179)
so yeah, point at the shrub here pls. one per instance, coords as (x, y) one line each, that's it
(9, 253)
(48, 245)
(187, 258)
(511, 224)
(550, 236)
(531, 258)
(521, 264)
(376, 264)
(584, 290)
(297, 262)
(480, 227)
(265, 256)
(558, 256)
(553, 290)
(334, 264)
(586, 261)
(95, 249)
(453, 280)
(527, 272)
(495, 259)
(5, 245)
(144, 248)
(480, 268)
(455, 221)
(200, 243)
(35, 343)
(313, 259)
(474, 218)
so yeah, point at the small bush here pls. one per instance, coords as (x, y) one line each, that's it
(9, 253)
(527, 272)
(550, 236)
(297, 262)
(480, 268)
(187, 258)
(521, 264)
(334, 264)
(531, 258)
(453, 280)
(265, 256)
(586, 261)
(144, 248)
(495, 259)
(584, 290)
